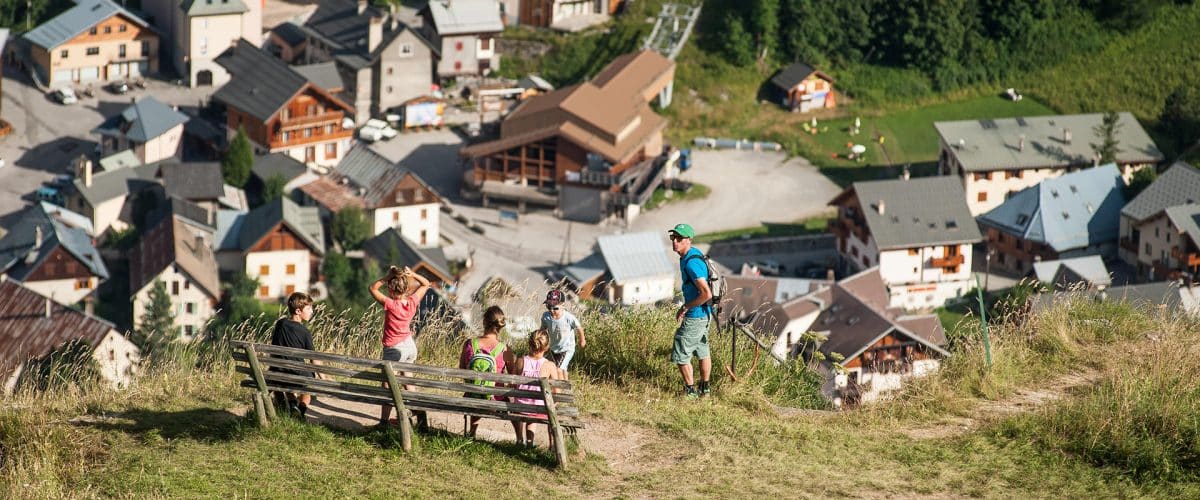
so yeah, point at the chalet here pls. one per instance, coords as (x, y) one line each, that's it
(94, 40)
(287, 41)
(917, 231)
(592, 150)
(382, 61)
(465, 33)
(1073, 215)
(195, 32)
(51, 258)
(799, 87)
(281, 110)
(102, 197)
(995, 158)
(1158, 228)
(177, 252)
(392, 196)
(626, 269)
(880, 346)
(391, 248)
(279, 243)
(199, 183)
(32, 326)
(1088, 272)
(153, 130)
(566, 15)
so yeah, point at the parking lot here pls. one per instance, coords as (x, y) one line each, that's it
(47, 135)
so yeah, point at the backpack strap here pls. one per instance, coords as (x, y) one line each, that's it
(687, 259)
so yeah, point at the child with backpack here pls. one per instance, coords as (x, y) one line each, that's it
(534, 365)
(400, 305)
(487, 354)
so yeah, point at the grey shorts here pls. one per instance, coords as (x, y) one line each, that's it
(404, 352)
(690, 339)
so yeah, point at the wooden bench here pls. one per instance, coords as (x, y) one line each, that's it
(359, 379)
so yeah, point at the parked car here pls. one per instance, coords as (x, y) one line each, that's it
(46, 193)
(118, 87)
(768, 267)
(65, 95)
(384, 129)
(812, 272)
(370, 134)
(61, 180)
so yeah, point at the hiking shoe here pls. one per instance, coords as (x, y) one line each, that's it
(691, 393)
(704, 390)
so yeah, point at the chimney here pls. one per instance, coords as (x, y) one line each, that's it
(87, 173)
(1067, 135)
(1021, 143)
(89, 306)
(393, 16)
(362, 6)
(37, 238)
(880, 206)
(199, 244)
(829, 274)
(374, 33)
(47, 307)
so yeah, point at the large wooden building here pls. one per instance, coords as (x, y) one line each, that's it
(592, 150)
(94, 40)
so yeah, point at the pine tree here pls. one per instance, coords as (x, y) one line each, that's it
(238, 160)
(351, 228)
(273, 188)
(739, 44)
(1181, 116)
(1108, 148)
(158, 323)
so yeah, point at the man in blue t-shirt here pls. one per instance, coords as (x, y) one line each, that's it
(692, 336)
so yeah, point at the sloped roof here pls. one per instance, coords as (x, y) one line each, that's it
(339, 21)
(324, 75)
(995, 144)
(383, 246)
(192, 181)
(196, 8)
(636, 256)
(465, 16)
(121, 159)
(331, 195)
(71, 219)
(1090, 269)
(304, 222)
(1179, 185)
(532, 81)
(363, 178)
(266, 166)
(1067, 212)
(27, 333)
(587, 268)
(793, 74)
(20, 241)
(145, 119)
(174, 240)
(1186, 218)
(920, 211)
(261, 84)
(76, 20)
(112, 184)
(290, 32)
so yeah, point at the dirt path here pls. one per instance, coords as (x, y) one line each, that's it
(1024, 400)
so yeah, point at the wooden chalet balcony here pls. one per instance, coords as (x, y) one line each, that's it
(1189, 259)
(951, 261)
(309, 120)
(1128, 244)
(299, 140)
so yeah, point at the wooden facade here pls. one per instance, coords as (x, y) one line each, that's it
(280, 238)
(310, 118)
(60, 265)
(894, 353)
(545, 164)
(104, 52)
(409, 191)
(1017, 254)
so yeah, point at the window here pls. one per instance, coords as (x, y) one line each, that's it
(424, 237)
(92, 31)
(1147, 249)
(121, 28)
(174, 288)
(290, 289)
(1156, 232)
(424, 214)
(286, 136)
(913, 251)
(187, 285)
(331, 149)
(291, 269)
(395, 216)
(107, 29)
(264, 270)
(406, 50)
(389, 70)
(190, 307)
(121, 51)
(204, 46)
(91, 51)
(457, 65)
(189, 330)
(389, 89)
(865, 261)
(457, 46)
(981, 197)
(83, 284)
(112, 355)
(329, 129)
(63, 53)
(485, 44)
(145, 48)
(308, 132)
(264, 291)
(854, 251)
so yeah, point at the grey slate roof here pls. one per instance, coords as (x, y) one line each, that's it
(1179, 185)
(1187, 219)
(636, 256)
(583, 270)
(994, 144)
(920, 211)
(196, 8)
(142, 121)
(1090, 269)
(261, 84)
(192, 181)
(382, 245)
(324, 75)
(304, 222)
(77, 20)
(339, 25)
(19, 242)
(374, 173)
(122, 159)
(291, 33)
(1066, 212)
(465, 16)
(534, 82)
(266, 166)
(792, 75)
(108, 185)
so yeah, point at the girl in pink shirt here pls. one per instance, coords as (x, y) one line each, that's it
(400, 305)
(534, 365)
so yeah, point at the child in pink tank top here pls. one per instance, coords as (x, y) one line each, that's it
(534, 365)
(400, 304)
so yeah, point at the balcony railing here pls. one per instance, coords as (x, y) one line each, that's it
(1189, 259)
(1127, 243)
(950, 261)
(300, 140)
(300, 121)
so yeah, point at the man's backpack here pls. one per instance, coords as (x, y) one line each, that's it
(716, 282)
(484, 361)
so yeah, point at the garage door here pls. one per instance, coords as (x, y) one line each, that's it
(61, 76)
(139, 68)
(114, 71)
(88, 74)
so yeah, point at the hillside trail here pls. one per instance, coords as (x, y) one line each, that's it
(1023, 400)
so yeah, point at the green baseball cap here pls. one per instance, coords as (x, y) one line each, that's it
(683, 230)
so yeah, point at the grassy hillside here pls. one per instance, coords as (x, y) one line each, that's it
(1087, 399)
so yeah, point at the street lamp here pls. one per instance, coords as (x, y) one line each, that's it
(987, 267)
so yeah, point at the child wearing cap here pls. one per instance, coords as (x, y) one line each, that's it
(562, 327)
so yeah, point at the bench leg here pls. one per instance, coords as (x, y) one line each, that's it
(260, 409)
(270, 404)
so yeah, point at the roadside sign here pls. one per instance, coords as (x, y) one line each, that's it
(508, 215)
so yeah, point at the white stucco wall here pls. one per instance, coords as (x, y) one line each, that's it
(791, 334)
(914, 283)
(999, 185)
(189, 293)
(297, 152)
(118, 359)
(410, 223)
(106, 215)
(209, 37)
(646, 291)
(164, 146)
(63, 291)
(277, 279)
(880, 383)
